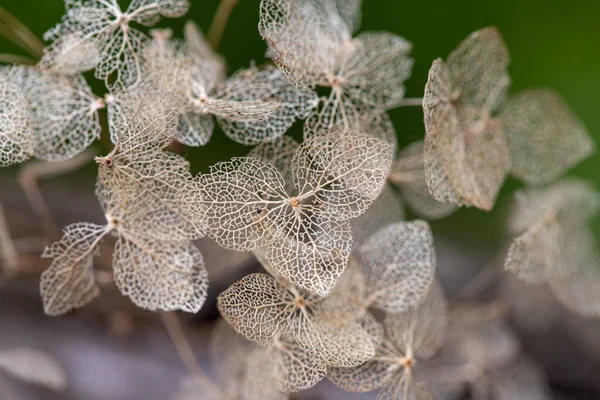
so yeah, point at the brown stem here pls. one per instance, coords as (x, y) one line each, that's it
(407, 102)
(18, 33)
(186, 352)
(15, 59)
(7, 249)
(217, 27)
(29, 177)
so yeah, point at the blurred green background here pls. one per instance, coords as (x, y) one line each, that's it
(553, 43)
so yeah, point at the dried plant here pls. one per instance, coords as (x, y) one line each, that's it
(349, 290)
(474, 135)
(33, 366)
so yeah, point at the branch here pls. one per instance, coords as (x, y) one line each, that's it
(217, 27)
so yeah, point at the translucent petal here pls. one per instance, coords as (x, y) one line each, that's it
(69, 282)
(269, 87)
(258, 308)
(279, 153)
(399, 261)
(213, 65)
(195, 129)
(544, 136)
(84, 30)
(142, 118)
(336, 110)
(345, 170)
(404, 387)
(374, 70)
(243, 198)
(303, 39)
(33, 366)
(120, 59)
(478, 69)
(350, 12)
(369, 376)
(148, 12)
(466, 156)
(408, 172)
(148, 195)
(553, 240)
(295, 370)
(160, 275)
(421, 329)
(16, 139)
(311, 252)
(337, 343)
(580, 293)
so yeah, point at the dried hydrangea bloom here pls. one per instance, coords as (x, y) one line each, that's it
(16, 139)
(544, 136)
(69, 282)
(61, 112)
(399, 265)
(415, 334)
(265, 309)
(154, 261)
(305, 233)
(310, 41)
(33, 366)
(408, 173)
(252, 106)
(466, 155)
(553, 238)
(101, 35)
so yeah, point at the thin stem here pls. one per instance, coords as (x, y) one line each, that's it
(15, 31)
(186, 351)
(8, 251)
(29, 177)
(217, 27)
(15, 59)
(407, 102)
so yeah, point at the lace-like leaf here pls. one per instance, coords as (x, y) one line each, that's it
(270, 89)
(295, 370)
(350, 12)
(306, 237)
(400, 264)
(545, 138)
(69, 281)
(263, 310)
(375, 68)
(160, 275)
(100, 32)
(303, 38)
(16, 139)
(161, 181)
(466, 155)
(420, 330)
(374, 374)
(256, 307)
(408, 172)
(62, 112)
(141, 118)
(33, 366)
